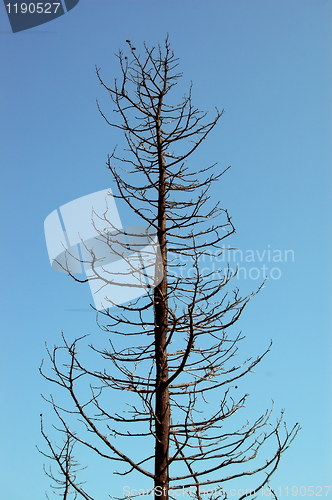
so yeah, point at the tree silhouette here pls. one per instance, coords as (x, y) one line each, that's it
(170, 350)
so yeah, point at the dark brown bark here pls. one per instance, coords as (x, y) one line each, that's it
(162, 407)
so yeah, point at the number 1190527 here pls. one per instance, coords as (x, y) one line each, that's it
(32, 8)
(310, 491)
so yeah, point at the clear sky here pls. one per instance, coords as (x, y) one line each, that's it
(268, 64)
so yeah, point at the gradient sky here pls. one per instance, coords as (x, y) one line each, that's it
(268, 64)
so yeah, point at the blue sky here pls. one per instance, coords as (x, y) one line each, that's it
(268, 64)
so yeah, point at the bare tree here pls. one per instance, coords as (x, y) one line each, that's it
(181, 355)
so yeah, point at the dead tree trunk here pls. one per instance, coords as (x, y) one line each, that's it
(162, 406)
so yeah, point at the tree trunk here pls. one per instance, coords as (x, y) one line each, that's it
(162, 408)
